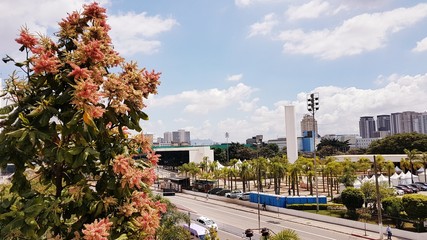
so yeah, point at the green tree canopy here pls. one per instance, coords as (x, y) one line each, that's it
(352, 198)
(66, 129)
(397, 143)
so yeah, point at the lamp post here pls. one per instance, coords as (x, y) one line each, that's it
(312, 107)
(377, 188)
(227, 153)
(259, 183)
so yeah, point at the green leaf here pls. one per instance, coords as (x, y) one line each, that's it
(143, 115)
(7, 109)
(23, 136)
(76, 118)
(75, 150)
(122, 237)
(16, 133)
(24, 119)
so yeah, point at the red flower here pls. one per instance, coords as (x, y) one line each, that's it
(45, 63)
(78, 72)
(97, 230)
(26, 39)
(94, 11)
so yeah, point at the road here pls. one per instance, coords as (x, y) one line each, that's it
(233, 219)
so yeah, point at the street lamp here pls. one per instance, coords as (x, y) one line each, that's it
(312, 107)
(259, 182)
(227, 153)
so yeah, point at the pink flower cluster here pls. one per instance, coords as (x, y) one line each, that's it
(98, 230)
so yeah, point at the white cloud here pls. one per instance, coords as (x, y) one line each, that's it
(339, 113)
(248, 106)
(203, 102)
(131, 32)
(421, 46)
(311, 9)
(365, 32)
(38, 16)
(263, 28)
(235, 77)
(246, 3)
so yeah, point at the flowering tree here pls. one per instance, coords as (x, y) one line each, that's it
(65, 129)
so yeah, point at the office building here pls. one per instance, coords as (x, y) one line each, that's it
(181, 138)
(404, 122)
(383, 123)
(307, 124)
(367, 127)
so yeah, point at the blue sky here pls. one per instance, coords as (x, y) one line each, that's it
(232, 66)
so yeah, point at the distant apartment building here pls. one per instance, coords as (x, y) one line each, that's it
(181, 138)
(364, 142)
(404, 122)
(280, 142)
(254, 140)
(367, 127)
(422, 123)
(307, 124)
(167, 137)
(383, 123)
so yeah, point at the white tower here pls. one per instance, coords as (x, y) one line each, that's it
(291, 134)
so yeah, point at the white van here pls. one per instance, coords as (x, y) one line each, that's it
(197, 231)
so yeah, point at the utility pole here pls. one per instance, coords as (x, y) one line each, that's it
(377, 187)
(312, 107)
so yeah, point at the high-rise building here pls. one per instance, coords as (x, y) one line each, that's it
(181, 137)
(404, 122)
(307, 124)
(367, 127)
(167, 137)
(422, 123)
(383, 122)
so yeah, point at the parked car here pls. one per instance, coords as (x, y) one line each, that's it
(223, 192)
(233, 194)
(414, 189)
(215, 190)
(244, 196)
(209, 223)
(420, 187)
(421, 183)
(405, 189)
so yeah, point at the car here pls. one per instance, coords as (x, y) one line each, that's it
(414, 189)
(215, 190)
(207, 222)
(223, 192)
(405, 189)
(233, 194)
(244, 196)
(419, 186)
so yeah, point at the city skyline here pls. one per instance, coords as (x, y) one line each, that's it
(232, 66)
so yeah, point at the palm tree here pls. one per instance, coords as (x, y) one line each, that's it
(411, 156)
(364, 164)
(233, 163)
(286, 234)
(184, 168)
(423, 160)
(193, 170)
(389, 166)
(277, 168)
(244, 173)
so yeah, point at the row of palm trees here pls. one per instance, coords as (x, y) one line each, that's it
(278, 173)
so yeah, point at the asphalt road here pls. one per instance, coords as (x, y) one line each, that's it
(232, 221)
